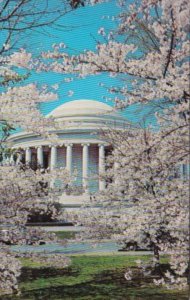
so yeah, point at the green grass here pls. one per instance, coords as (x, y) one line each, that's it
(96, 277)
(65, 234)
(95, 262)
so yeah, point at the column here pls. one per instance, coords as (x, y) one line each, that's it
(116, 168)
(69, 158)
(40, 157)
(7, 160)
(53, 161)
(101, 166)
(28, 155)
(85, 159)
(19, 157)
(188, 170)
(12, 162)
(4, 159)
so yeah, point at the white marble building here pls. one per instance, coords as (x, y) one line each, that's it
(80, 146)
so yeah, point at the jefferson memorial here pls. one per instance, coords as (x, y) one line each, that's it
(80, 146)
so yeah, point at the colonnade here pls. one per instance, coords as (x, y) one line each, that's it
(69, 160)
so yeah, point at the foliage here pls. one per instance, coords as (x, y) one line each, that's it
(21, 191)
(21, 195)
(145, 201)
(148, 202)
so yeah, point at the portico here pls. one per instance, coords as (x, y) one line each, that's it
(79, 146)
(65, 152)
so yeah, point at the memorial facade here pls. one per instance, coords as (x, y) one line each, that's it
(80, 147)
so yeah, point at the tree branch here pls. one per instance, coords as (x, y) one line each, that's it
(171, 47)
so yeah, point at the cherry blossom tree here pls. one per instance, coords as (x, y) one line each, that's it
(145, 199)
(20, 18)
(145, 204)
(21, 188)
(24, 191)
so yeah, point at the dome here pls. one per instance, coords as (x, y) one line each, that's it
(82, 108)
(79, 121)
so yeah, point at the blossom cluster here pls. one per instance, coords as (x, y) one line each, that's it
(25, 192)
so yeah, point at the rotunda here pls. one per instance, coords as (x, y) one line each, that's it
(80, 146)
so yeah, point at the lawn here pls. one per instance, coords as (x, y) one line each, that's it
(90, 277)
(65, 234)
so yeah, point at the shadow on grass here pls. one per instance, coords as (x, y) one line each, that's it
(44, 273)
(106, 285)
(94, 291)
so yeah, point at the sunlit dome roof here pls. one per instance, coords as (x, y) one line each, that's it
(82, 108)
(79, 121)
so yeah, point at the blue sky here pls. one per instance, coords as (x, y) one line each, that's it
(80, 32)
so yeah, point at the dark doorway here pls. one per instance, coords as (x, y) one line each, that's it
(46, 159)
